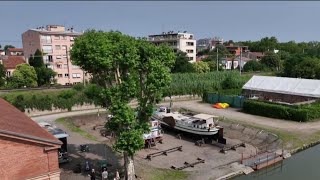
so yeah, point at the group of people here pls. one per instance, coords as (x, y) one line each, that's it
(104, 175)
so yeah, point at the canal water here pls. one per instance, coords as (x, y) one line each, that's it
(304, 165)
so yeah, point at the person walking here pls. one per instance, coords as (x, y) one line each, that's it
(104, 174)
(92, 175)
(117, 175)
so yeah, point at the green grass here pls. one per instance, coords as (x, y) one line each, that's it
(75, 129)
(165, 174)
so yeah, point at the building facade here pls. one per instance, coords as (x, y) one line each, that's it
(27, 151)
(10, 63)
(55, 42)
(178, 41)
(208, 43)
(14, 52)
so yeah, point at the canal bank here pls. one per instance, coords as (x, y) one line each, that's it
(302, 165)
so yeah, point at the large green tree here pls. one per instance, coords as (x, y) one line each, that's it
(308, 68)
(2, 75)
(44, 74)
(37, 59)
(201, 67)
(23, 76)
(253, 66)
(182, 64)
(271, 60)
(126, 69)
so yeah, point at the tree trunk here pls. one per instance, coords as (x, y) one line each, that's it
(129, 167)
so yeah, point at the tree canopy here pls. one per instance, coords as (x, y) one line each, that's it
(44, 74)
(2, 75)
(271, 60)
(253, 66)
(24, 76)
(125, 68)
(182, 64)
(201, 67)
(7, 46)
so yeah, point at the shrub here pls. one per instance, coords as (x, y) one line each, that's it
(273, 110)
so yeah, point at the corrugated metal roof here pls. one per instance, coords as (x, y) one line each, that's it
(284, 85)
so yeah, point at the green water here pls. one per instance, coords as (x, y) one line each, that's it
(301, 166)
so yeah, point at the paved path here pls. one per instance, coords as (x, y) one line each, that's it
(235, 114)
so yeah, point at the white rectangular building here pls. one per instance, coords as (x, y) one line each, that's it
(178, 41)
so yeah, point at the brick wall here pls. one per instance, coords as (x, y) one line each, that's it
(22, 160)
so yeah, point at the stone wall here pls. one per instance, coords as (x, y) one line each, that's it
(36, 112)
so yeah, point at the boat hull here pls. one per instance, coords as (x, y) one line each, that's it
(201, 132)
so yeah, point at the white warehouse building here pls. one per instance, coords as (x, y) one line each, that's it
(178, 41)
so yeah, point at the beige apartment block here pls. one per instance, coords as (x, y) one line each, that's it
(182, 41)
(55, 42)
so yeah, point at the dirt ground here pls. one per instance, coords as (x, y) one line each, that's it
(235, 114)
(216, 164)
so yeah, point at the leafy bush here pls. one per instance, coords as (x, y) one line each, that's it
(295, 113)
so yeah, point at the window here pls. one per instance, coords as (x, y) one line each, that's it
(76, 75)
(75, 67)
(64, 47)
(57, 37)
(190, 58)
(189, 50)
(47, 49)
(67, 84)
(190, 43)
(49, 66)
(58, 47)
(59, 75)
(46, 39)
(66, 75)
(71, 38)
(64, 37)
(59, 66)
(65, 66)
(8, 73)
(58, 57)
(64, 56)
(50, 58)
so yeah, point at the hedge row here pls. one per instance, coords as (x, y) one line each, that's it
(294, 113)
(46, 100)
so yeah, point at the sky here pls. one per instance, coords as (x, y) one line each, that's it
(238, 21)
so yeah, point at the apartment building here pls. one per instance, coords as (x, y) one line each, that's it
(55, 42)
(178, 41)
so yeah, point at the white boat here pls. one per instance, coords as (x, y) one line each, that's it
(200, 124)
(155, 133)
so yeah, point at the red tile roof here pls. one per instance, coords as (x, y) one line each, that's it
(16, 123)
(15, 49)
(12, 61)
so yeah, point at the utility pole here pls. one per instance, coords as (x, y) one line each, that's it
(217, 58)
(67, 55)
(240, 59)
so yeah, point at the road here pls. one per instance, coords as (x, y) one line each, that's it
(230, 113)
(53, 117)
(235, 114)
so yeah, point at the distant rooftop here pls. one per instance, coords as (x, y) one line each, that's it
(56, 29)
(170, 33)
